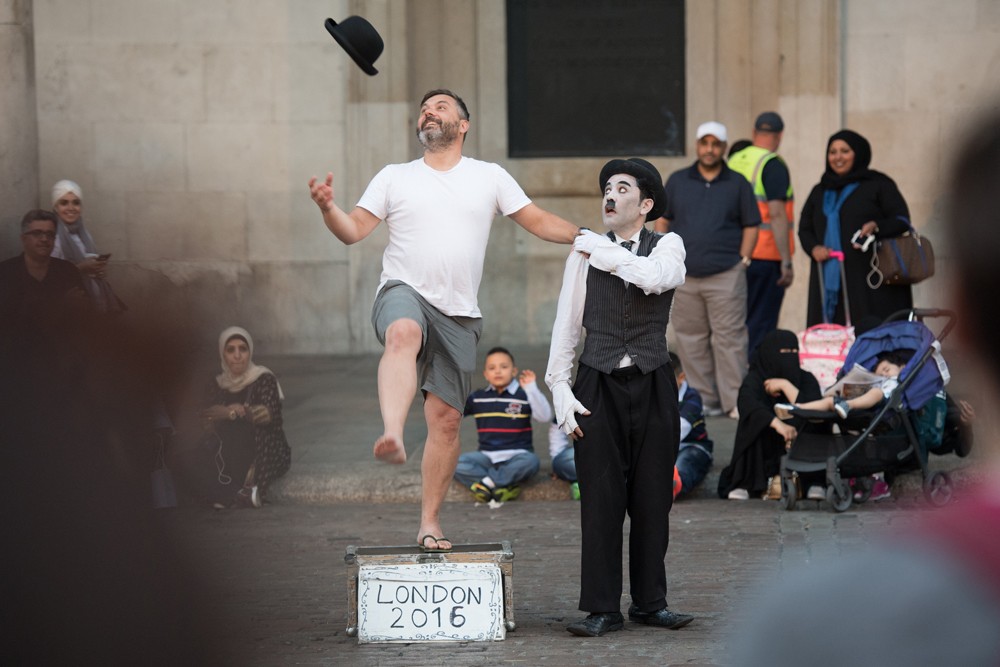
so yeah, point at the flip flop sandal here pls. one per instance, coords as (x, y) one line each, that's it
(435, 549)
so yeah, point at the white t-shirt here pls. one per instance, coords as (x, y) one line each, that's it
(439, 223)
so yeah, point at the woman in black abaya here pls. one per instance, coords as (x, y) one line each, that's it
(761, 438)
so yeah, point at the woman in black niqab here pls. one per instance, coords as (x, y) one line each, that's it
(775, 376)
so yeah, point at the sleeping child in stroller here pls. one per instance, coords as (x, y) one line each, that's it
(890, 365)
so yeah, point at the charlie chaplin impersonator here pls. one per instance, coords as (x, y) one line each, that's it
(622, 409)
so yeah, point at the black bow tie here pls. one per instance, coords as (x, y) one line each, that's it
(627, 245)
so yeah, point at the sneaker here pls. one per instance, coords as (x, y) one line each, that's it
(483, 493)
(248, 496)
(574, 490)
(816, 492)
(739, 494)
(880, 488)
(713, 411)
(841, 407)
(506, 493)
(783, 411)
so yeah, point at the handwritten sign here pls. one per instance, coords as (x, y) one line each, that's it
(430, 602)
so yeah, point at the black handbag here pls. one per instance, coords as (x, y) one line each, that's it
(906, 259)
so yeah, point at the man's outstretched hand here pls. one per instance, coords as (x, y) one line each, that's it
(322, 192)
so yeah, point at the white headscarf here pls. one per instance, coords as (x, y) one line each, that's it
(64, 186)
(237, 383)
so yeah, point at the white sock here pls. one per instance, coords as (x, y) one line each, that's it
(489, 482)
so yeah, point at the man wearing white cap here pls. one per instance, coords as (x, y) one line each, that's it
(712, 208)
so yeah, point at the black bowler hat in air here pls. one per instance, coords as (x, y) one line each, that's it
(360, 39)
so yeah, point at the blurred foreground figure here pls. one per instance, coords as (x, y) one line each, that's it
(928, 595)
(89, 572)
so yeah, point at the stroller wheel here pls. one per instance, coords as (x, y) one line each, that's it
(789, 493)
(938, 489)
(839, 499)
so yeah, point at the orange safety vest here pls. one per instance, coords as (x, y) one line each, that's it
(750, 162)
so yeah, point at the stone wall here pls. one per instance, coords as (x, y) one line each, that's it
(193, 127)
(18, 130)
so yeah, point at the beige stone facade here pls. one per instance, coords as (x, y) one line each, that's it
(193, 126)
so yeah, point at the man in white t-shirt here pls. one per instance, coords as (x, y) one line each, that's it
(439, 210)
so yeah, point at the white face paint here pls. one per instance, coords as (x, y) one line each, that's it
(622, 206)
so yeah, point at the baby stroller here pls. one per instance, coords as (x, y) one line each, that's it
(882, 439)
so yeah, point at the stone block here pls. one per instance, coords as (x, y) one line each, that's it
(288, 227)
(881, 88)
(139, 156)
(312, 84)
(110, 82)
(186, 227)
(233, 21)
(949, 72)
(237, 157)
(297, 307)
(134, 21)
(907, 17)
(60, 22)
(239, 82)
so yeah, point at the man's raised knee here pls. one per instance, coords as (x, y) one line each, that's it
(403, 334)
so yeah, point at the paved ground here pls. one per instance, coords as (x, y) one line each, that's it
(286, 601)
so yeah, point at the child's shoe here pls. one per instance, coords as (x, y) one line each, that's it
(880, 488)
(505, 493)
(574, 490)
(482, 492)
(841, 407)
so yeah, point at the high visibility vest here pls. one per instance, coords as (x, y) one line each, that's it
(750, 162)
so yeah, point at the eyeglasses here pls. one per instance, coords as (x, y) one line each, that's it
(41, 234)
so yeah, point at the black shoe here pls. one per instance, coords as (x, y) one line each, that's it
(596, 625)
(663, 618)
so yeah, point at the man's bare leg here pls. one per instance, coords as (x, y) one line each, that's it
(438, 466)
(397, 384)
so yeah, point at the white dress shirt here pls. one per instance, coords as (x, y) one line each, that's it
(662, 271)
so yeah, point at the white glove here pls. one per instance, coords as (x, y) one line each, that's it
(587, 241)
(566, 407)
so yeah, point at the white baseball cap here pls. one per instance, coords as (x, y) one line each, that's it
(717, 130)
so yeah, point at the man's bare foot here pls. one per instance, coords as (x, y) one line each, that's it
(389, 449)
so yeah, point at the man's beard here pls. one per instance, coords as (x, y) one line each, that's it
(438, 138)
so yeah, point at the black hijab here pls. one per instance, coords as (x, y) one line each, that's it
(777, 356)
(862, 159)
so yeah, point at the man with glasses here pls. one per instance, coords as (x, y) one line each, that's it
(36, 289)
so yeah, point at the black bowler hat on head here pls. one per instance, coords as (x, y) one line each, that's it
(360, 39)
(645, 175)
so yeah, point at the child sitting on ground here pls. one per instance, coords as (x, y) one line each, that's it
(695, 456)
(890, 365)
(503, 413)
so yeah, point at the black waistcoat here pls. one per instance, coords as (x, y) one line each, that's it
(620, 319)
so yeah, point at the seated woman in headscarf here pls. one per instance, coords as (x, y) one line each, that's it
(244, 422)
(761, 438)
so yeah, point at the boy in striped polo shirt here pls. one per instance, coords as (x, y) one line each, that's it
(503, 413)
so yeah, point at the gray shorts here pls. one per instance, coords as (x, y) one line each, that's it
(447, 358)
